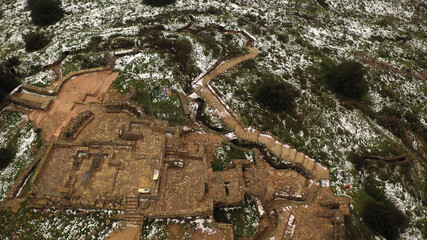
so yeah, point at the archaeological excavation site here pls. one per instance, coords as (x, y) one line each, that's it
(213, 120)
(101, 150)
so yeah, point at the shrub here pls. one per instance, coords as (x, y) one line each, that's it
(346, 79)
(12, 62)
(45, 12)
(8, 80)
(158, 3)
(383, 218)
(94, 61)
(381, 215)
(35, 41)
(6, 156)
(274, 94)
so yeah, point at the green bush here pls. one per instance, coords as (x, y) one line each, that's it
(276, 95)
(8, 80)
(12, 62)
(346, 79)
(35, 41)
(381, 215)
(45, 12)
(94, 61)
(158, 3)
(6, 156)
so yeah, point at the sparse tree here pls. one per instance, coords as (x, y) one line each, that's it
(35, 41)
(274, 94)
(158, 3)
(45, 12)
(346, 79)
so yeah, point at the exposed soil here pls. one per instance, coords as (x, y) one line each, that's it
(127, 233)
(77, 89)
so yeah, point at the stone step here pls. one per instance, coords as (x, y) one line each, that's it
(310, 164)
(135, 222)
(277, 149)
(305, 161)
(285, 152)
(292, 154)
(289, 228)
(134, 217)
(281, 226)
(299, 158)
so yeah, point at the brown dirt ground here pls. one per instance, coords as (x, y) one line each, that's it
(127, 233)
(75, 89)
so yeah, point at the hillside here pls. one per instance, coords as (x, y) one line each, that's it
(372, 139)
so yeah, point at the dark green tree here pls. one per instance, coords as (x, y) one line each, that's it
(380, 214)
(276, 95)
(158, 3)
(45, 12)
(6, 156)
(346, 79)
(35, 41)
(8, 80)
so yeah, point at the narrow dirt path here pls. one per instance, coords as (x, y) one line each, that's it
(231, 119)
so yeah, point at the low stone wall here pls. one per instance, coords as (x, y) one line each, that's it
(204, 211)
(59, 82)
(29, 103)
(125, 105)
(38, 90)
(75, 123)
(13, 191)
(41, 166)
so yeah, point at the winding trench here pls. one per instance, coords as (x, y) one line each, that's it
(293, 159)
(273, 143)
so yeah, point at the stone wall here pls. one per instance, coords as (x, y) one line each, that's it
(27, 103)
(75, 124)
(203, 211)
(125, 105)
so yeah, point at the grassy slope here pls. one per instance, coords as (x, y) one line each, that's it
(292, 37)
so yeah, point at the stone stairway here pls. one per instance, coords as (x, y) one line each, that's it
(291, 155)
(132, 217)
(285, 227)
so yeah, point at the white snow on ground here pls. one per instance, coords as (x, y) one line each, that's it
(200, 224)
(43, 78)
(24, 156)
(345, 29)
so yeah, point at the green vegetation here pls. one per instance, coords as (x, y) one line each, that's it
(154, 229)
(381, 215)
(399, 123)
(85, 61)
(158, 3)
(167, 108)
(374, 214)
(179, 48)
(225, 155)
(346, 79)
(29, 224)
(45, 12)
(35, 41)
(244, 218)
(6, 156)
(8, 80)
(276, 95)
